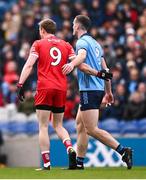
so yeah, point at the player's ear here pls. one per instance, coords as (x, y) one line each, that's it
(79, 26)
(42, 29)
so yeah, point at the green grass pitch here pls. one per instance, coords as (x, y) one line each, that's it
(88, 173)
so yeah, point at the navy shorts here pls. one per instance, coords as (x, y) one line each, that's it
(90, 99)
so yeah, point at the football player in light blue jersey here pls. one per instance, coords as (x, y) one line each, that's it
(95, 88)
(93, 58)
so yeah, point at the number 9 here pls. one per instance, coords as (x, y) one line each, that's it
(55, 57)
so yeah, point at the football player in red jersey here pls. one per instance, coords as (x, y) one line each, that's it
(51, 54)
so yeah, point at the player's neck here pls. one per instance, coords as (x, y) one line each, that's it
(48, 36)
(80, 33)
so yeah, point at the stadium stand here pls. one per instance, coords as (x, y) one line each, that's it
(120, 26)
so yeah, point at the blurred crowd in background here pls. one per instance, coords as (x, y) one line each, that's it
(118, 25)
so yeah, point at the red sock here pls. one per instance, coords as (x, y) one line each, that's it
(67, 143)
(46, 158)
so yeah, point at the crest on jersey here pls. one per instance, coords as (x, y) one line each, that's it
(97, 52)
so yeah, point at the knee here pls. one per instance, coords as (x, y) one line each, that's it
(54, 126)
(91, 131)
(57, 127)
(80, 128)
(43, 124)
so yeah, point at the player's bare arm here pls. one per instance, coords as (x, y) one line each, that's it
(108, 98)
(67, 68)
(103, 74)
(24, 75)
(27, 68)
(87, 69)
(107, 83)
(78, 61)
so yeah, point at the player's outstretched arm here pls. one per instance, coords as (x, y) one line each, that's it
(67, 68)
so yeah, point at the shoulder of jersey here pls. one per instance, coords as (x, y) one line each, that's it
(64, 43)
(38, 41)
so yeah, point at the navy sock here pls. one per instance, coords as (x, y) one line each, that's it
(80, 161)
(120, 149)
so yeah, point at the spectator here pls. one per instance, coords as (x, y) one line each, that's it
(28, 32)
(142, 26)
(136, 107)
(142, 89)
(110, 57)
(117, 77)
(7, 26)
(111, 7)
(133, 80)
(143, 74)
(117, 109)
(78, 7)
(23, 55)
(10, 72)
(96, 13)
(12, 94)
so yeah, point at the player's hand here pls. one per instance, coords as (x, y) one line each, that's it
(108, 100)
(67, 68)
(105, 74)
(20, 92)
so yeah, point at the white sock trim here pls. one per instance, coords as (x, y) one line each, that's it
(47, 164)
(66, 139)
(44, 152)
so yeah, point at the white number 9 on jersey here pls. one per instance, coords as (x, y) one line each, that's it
(56, 57)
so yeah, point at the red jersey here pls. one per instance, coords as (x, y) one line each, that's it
(52, 54)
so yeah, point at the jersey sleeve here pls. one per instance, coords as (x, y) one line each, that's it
(71, 52)
(81, 44)
(34, 49)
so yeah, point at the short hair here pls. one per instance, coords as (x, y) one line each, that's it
(84, 21)
(48, 25)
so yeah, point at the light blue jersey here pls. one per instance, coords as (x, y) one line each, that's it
(93, 58)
